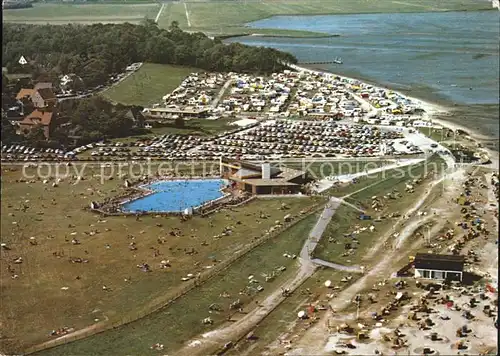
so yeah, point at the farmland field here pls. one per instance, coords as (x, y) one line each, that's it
(149, 84)
(39, 223)
(84, 14)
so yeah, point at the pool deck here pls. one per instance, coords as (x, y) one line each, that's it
(140, 190)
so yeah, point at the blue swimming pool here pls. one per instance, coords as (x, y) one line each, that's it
(177, 195)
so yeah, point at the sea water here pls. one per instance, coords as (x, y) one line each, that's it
(445, 57)
(177, 195)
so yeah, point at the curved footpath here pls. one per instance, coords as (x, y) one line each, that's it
(316, 234)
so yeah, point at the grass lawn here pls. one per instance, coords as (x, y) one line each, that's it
(281, 318)
(173, 11)
(376, 179)
(320, 169)
(15, 76)
(176, 324)
(437, 135)
(345, 221)
(224, 17)
(396, 179)
(34, 303)
(149, 84)
(201, 127)
(82, 13)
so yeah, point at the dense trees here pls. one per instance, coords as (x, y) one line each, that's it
(97, 51)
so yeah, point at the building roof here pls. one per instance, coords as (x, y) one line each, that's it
(439, 262)
(25, 92)
(46, 93)
(38, 117)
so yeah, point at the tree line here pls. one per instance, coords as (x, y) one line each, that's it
(80, 122)
(95, 52)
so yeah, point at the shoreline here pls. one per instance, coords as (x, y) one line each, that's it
(431, 111)
(439, 106)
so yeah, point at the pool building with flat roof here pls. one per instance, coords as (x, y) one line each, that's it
(262, 179)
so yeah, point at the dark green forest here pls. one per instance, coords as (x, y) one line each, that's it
(95, 52)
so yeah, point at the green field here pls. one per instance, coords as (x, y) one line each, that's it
(176, 324)
(280, 319)
(378, 180)
(332, 245)
(149, 84)
(33, 304)
(85, 14)
(199, 127)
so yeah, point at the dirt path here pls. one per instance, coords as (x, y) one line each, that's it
(400, 221)
(352, 269)
(352, 206)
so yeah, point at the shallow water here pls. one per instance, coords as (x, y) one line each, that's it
(446, 57)
(176, 196)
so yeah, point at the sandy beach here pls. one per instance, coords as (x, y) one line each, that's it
(431, 111)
